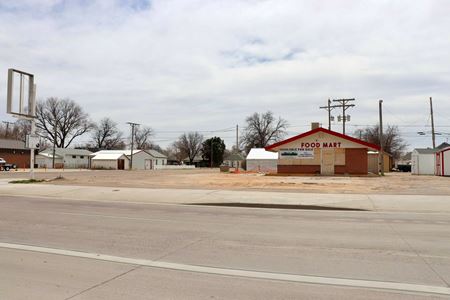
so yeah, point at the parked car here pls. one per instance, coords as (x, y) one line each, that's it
(4, 166)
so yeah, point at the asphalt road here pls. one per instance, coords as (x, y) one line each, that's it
(105, 250)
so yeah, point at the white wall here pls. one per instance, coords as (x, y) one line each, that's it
(77, 162)
(446, 160)
(262, 165)
(423, 164)
(46, 162)
(174, 167)
(140, 158)
(108, 164)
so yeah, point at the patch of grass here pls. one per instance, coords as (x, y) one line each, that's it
(25, 181)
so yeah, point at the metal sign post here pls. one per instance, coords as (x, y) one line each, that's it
(20, 112)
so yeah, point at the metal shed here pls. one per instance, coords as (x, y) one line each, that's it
(423, 161)
(443, 162)
(260, 160)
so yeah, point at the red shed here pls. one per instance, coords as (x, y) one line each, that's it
(443, 162)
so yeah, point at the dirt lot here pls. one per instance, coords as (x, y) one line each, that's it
(392, 183)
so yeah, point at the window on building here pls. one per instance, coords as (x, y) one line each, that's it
(74, 156)
(81, 156)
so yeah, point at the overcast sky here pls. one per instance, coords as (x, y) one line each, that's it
(179, 65)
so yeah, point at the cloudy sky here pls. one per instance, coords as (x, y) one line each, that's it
(181, 65)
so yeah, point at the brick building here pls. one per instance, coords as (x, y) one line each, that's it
(321, 151)
(14, 152)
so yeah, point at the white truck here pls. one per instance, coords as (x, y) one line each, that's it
(4, 166)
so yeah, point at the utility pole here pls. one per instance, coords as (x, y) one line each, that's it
(328, 108)
(133, 125)
(381, 153)
(237, 138)
(7, 127)
(55, 126)
(343, 103)
(211, 154)
(433, 135)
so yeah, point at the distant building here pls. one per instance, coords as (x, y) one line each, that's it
(260, 160)
(64, 158)
(373, 163)
(233, 160)
(443, 162)
(423, 161)
(121, 159)
(14, 152)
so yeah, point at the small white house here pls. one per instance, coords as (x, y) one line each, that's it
(64, 158)
(443, 162)
(423, 161)
(142, 159)
(260, 160)
(109, 161)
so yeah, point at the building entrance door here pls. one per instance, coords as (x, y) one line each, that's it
(120, 164)
(148, 164)
(327, 162)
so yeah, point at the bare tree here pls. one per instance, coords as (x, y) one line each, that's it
(189, 145)
(61, 120)
(392, 141)
(106, 135)
(173, 153)
(15, 131)
(262, 129)
(142, 138)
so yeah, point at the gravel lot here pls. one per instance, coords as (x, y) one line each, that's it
(392, 183)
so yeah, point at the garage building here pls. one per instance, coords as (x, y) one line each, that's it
(120, 159)
(260, 160)
(322, 151)
(110, 161)
(423, 161)
(64, 158)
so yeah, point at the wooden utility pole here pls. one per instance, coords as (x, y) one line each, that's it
(380, 152)
(328, 108)
(343, 103)
(7, 127)
(55, 127)
(237, 138)
(433, 134)
(133, 125)
(211, 154)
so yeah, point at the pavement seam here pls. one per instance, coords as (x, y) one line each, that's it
(103, 283)
(307, 279)
(418, 254)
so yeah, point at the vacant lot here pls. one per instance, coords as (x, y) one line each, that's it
(392, 183)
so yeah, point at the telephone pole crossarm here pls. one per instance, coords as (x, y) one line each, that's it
(343, 103)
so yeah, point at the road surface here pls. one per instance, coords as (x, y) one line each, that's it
(68, 249)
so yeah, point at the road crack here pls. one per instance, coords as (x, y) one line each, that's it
(103, 283)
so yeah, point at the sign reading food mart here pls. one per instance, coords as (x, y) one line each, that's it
(303, 153)
(321, 145)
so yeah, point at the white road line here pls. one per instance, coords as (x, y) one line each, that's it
(383, 285)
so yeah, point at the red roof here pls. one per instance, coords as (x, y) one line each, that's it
(320, 129)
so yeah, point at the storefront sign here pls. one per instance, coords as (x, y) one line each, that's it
(303, 153)
(321, 145)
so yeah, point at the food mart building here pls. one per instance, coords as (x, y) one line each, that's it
(322, 151)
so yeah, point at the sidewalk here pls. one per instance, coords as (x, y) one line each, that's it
(372, 202)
